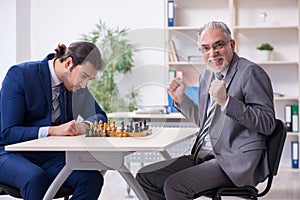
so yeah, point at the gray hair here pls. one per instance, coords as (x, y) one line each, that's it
(216, 25)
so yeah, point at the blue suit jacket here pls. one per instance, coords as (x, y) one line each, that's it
(25, 103)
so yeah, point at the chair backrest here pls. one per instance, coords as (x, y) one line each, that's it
(275, 145)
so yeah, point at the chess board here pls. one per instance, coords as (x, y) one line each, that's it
(110, 129)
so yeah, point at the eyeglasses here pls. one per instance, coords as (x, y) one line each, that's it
(219, 45)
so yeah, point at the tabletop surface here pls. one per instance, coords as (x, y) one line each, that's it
(160, 140)
(145, 116)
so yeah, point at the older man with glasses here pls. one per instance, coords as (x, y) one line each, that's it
(235, 114)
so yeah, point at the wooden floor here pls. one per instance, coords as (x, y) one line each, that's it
(286, 185)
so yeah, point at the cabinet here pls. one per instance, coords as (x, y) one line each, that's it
(252, 23)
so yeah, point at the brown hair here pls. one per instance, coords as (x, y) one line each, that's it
(80, 52)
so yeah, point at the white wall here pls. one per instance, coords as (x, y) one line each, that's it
(7, 36)
(75, 18)
(64, 21)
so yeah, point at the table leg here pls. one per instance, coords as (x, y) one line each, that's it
(127, 164)
(57, 183)
(136, 187)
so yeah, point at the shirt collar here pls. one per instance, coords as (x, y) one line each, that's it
(224, 72)
(54, 80)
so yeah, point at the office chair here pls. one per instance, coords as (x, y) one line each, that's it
(63, 192)
(275, 143)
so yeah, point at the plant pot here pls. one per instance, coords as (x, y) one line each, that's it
(264, 55)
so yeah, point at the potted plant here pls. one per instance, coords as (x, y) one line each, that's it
(265, 51)
(117, 54)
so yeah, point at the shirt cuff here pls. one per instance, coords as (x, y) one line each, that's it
(225, 106)
(176, 105)
(88, 122)
(43, 132)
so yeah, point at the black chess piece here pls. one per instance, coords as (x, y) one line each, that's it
(146, 127)
(122, 126)
(131, 126)
(87, 131)
(136, 127)
(128, 129)
(141, 127)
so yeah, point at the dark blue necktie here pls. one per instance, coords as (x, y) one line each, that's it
(63, 112)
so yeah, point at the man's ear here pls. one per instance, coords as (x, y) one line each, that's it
(232, 45)
(68, 62)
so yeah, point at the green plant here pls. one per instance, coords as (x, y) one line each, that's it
(117, 53)
(265, 46)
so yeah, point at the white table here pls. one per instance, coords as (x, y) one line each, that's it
(104, 153)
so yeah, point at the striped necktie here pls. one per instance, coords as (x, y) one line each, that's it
(207, 123)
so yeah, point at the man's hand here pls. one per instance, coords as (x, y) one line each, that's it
(81, 127)
(176, 89)
(218, 91)
(70, 128)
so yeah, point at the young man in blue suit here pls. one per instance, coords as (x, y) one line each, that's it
(235, 114)
(30, 108)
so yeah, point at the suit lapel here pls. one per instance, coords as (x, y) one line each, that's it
(231, 71)
(44, 78)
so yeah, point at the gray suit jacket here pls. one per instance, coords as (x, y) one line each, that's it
(243, 126)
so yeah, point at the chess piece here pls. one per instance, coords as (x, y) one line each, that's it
(136, 127)
(87, 131)
(122, 126)
(141, 127)
(108, 126)
(114, 127)
(128, 129)
(104, 130)
(100, 125)
(91, 130)
(131, 126)
(146, 126)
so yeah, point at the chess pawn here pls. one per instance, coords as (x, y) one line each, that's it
(128, 129)
(108, 128)
(136, 128)
(100, 125)
(98, 132)
(114, 127)
(91, 130)
(104, 131)
(87, 130)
